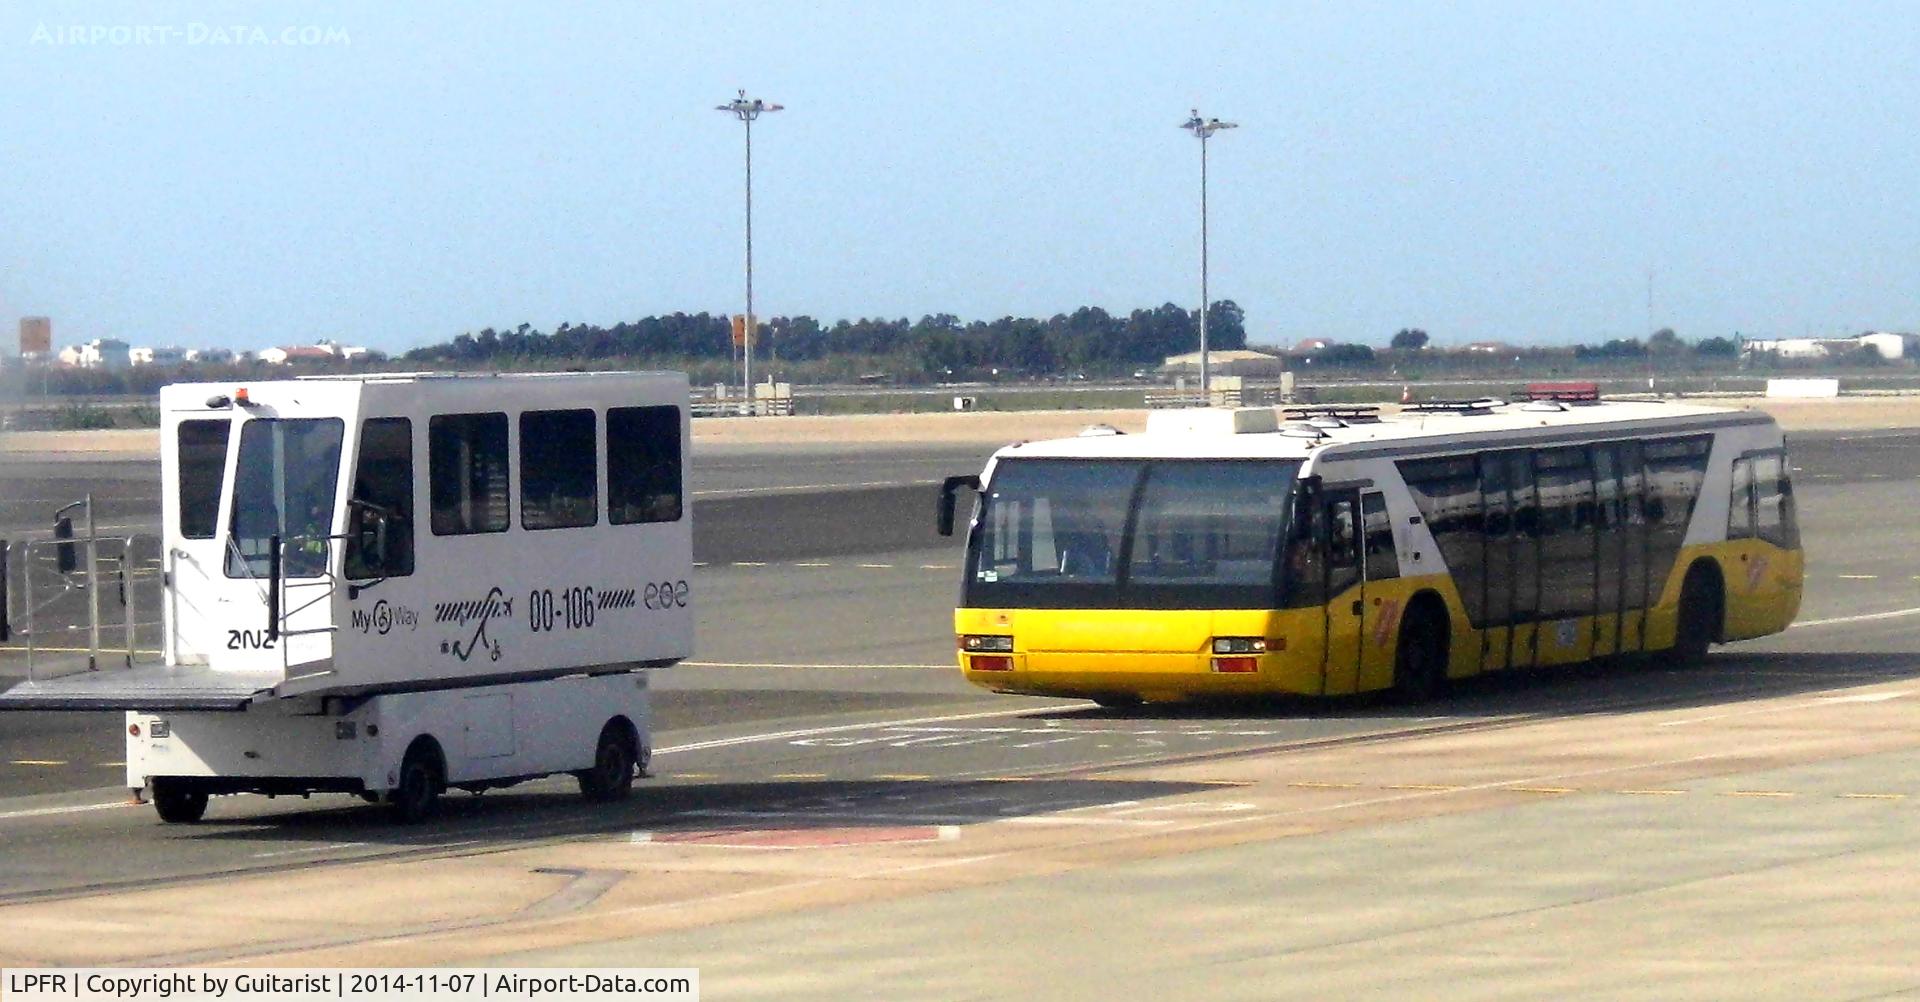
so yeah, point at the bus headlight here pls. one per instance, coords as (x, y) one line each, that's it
(1239, 645)
(976, 643)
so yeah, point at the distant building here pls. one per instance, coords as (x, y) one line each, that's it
(1790, 347)
(106, 353)
(1486, 348)
(36, 336)
(1313, 344)
(157, 356)
(1229, 362)
(211, 356)
(1890, 345)
(295, 354)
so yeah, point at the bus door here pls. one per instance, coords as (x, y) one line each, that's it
(1338, 535)
(1633, 548)
(1609, 551)
(1497, 557)
(1381, 612)
(1523, 608)
(193, 461)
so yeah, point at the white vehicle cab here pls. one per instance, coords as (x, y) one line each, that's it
(393, 584)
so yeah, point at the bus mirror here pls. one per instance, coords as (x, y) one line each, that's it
(948, 488)
(66, 558)
(1304, 496)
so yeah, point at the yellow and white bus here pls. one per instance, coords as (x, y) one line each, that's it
(1329, 551)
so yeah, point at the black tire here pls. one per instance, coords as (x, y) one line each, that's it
(1702, 606)
(177, 803)
(422, 776)
(1420, 657)
(615, 761)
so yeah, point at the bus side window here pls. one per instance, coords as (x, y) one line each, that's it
(380, 510)
(1382, 562)
(467, 473)
(1342, 546)
(558, 486)
(1773, 502)
(643, 465)
(1740, 501)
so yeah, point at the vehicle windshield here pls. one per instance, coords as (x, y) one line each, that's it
(1195, 534)
(284, 480)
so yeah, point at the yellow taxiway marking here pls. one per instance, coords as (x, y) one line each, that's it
(800, 775)
(877, 567)
(693, 775)
(1326, 786)
(1873, 796)
(814, 563)
(1421, 786)
(1543, 789)
(109, 765)
(904, 776)
(749, 563)
(1654, 793)
(38, 761)
(936, 567)
(1756, 793)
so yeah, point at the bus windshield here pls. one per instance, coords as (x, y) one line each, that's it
(283, 484)
(1190, 534)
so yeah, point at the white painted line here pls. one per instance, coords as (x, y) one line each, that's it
(877, 567)
(1865, 617)
(310, 848)
(1868, 697)
(1865, 697)
(749, 563)
(1859, 577)
(42, 812)
(813, 563)
(748, 739)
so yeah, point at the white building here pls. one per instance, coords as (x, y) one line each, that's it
(1889, 344)
(1791, 347)
(168, 355)
(100, 353)
(210, 355)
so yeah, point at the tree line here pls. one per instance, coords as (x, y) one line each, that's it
(937, 344)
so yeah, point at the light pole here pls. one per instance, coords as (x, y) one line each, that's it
(1203, 129)
(746, 110)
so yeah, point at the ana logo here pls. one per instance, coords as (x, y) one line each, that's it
(479, 613)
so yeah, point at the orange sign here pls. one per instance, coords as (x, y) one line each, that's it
(739, 331)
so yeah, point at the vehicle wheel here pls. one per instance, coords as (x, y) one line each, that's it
(614, 763)
(1701, 609)
(1420, 658)
(418, 792)
(177, 803)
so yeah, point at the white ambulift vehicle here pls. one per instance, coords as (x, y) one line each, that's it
(391, 585)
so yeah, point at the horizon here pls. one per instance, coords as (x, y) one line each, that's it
(1504, 173)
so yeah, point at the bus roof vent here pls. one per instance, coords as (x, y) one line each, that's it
(1100, 431)
(1303, 431)
(1566, 393)
(1543, 405)
(1213, 421)
(1338, 414)
(1483, 405)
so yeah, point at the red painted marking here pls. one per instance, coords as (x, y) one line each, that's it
(799, 838)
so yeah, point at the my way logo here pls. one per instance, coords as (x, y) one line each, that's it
(384, 617)
(477, 614)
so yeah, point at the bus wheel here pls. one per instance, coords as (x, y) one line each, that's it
(1420, 658)
(421, 776)
(1701, 609)
(177, 803)
(614, 763)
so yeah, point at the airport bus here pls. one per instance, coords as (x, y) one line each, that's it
(1331, 551)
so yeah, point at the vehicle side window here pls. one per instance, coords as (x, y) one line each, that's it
(1740, 501)
(559, 486)
(1773, 501)
(203, 462)
(643, 465)
(467, 470)
(1382, 562)
(380, 509)
(1342, 546)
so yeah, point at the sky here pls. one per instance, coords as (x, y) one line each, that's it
(395, 174)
